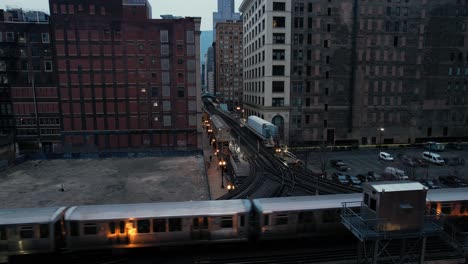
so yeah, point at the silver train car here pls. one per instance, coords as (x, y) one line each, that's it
(94, 227)
(30, 230)
(301, 216)
(156, 224)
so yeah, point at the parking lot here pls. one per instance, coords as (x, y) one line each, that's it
(364, 161)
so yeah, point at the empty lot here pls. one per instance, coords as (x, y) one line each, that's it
(103, 181)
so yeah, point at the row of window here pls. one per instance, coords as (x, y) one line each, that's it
(22, 37)
(26, 232)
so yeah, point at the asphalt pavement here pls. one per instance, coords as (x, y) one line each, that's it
(363, 161)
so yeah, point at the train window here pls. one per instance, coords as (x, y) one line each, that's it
(205, 222)
(266, 220)
(306, 217)
(175, 224)
(446, 209)
(282, 219)
(3, 235)
(26, 232)
(143, 226)
(242, 220)
(226, 222)
(373, 204)
(159, 225)
(196, 225)
(112, 227)
(44, 231)
(90, 229)
(74, 228)
(464, 208)
(122, 227)
(366, 199)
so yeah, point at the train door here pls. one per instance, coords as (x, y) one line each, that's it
(306, 222)
(59, 238)
(200, 229)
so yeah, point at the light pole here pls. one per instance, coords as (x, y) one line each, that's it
(381, 130)
(222, 164)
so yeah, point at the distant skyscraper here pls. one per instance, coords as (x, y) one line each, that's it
(225, 12)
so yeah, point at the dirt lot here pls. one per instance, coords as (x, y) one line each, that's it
(103, 181)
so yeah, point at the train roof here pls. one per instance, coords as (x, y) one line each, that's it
(296, 203)
(260, 120)
(447, 195)
(30, 215)
(158, 210)
(218, 122)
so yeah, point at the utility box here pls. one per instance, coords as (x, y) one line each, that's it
(394, 206)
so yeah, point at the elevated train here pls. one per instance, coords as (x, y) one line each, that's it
(94, 227)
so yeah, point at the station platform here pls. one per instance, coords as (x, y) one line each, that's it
(238, 167)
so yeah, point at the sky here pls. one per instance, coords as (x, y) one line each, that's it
(195, 8)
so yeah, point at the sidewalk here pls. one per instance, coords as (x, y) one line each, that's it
(213, 170)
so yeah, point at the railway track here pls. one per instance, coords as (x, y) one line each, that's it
(289, 178)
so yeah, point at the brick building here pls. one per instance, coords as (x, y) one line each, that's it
(28, 95)
(126, 80)
(229, 63)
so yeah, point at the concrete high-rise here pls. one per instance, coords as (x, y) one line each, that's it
(229, 63)
(126, 80)
(267, 56)
(361, 72)
(225, 12)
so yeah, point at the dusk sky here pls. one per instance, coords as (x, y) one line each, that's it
(199, 8)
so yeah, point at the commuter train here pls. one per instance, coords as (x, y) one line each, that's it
(94, 227)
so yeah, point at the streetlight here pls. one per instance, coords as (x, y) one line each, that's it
(222, 164)
(231, 187)
(381, 130)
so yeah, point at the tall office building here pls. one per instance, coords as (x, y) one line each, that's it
(210, 70)
(362, 72)
(126, 80)
(229, 63)
(29, 110)
(267, 56)
(225, 12)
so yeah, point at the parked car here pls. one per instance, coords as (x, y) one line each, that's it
(408, 161)
(375, 176)
(433, 158)
(365, 178)
(353, 181)
(340, 178)
(385, 156)
(452, 181)
(429, 184)
(421, 163)
(339, 165)
(392, 173)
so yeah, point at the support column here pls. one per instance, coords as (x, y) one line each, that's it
(359, 254)
(423, 251)
(375, 255)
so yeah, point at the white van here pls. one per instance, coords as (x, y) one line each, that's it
(433, 158)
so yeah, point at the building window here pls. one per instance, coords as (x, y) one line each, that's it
(10, 37)
(279, 6)
(277, 102)
(164, 36)
(164, 49)
(91, 9)
(279, 22)
(181, 91)
(47, 66)
(278, 86)
(190, 37)
(278, 54)
(278, 70)
(279, 38)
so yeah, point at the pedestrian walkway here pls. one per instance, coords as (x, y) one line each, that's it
(213, 169)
